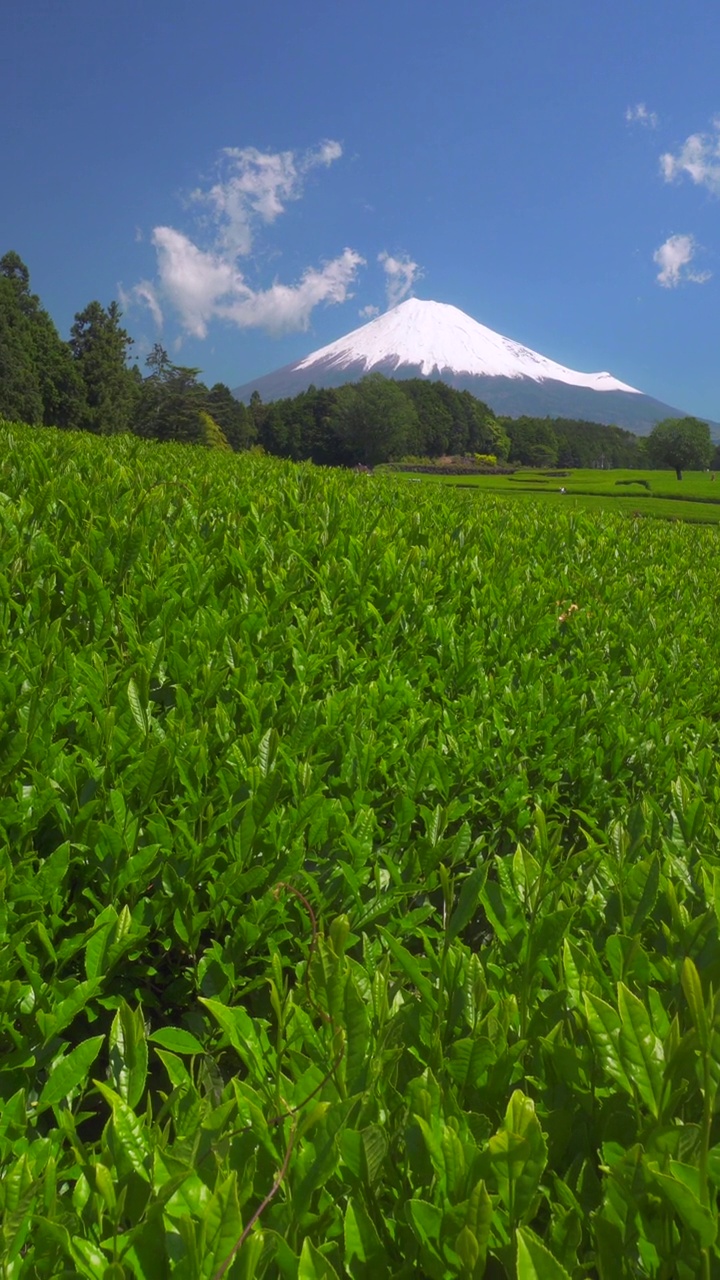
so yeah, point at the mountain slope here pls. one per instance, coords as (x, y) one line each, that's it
(436, 340)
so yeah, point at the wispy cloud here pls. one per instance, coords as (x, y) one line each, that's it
(255, 187)
(145, 293)
(282, 308)
(199, 278)
(369, 312)
(674, 258)
(698, 157)
(639, 114)
(401, 276)
(203, 286)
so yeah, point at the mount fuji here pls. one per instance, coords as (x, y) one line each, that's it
(419, 339)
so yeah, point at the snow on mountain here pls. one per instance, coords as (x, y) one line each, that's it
(437, 338)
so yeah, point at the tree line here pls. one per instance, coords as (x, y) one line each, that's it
(569, 442)
(89, 383)
(677, 443)
(377, 420)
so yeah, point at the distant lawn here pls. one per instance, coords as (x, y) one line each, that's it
(658, 494)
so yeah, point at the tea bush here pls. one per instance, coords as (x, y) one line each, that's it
(360, 885)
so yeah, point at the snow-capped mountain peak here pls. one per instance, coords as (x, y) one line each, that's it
(435, 340)
(438, 338)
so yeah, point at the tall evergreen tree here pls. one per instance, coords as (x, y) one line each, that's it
(212, 434)
(322, 444)
(20, 395)
(258, 416)
(232, 416)
(533, 442)
(170, 401)
(100, 347)
(61, 385)
(38, 380)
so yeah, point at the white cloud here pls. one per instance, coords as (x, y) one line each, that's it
(255, 186)
(401, 276)
(201, 283)
(204, 286)
(699, 157)
(674, 257)
(144, 293)
(369, 312)
(192, 280)
(639, 114)
(327, 152)
(282, 308)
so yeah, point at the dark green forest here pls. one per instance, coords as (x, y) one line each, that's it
(91, 383)
(567, 442)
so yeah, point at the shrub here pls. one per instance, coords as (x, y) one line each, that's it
(645, 483)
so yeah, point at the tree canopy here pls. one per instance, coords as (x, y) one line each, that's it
(377, 420)
(100, 347)
(570, 442)
(39, 383)
(681, 443)
(374, 421)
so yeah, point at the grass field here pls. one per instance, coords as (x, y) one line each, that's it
(359, 876)
(695, 498)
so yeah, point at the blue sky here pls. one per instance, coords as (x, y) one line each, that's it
(252, 181)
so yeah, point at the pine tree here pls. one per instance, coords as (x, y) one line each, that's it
(170, 402)
(38, 380)
(20, 396)
(100, 348)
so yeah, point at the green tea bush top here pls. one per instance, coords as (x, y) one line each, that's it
(359, 878)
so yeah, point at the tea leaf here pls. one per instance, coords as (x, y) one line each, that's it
(694, 995)
(140, 715)
(313, 1265)
(131, 1135)
(604, 1027)
(640, 1049)
(128, 1054)
(364, 1253)
(69, 1072)
(176, 1039)
(410, 967)
(467, 903)
(425, 1220)
(684, 1200)
(534, 1261)
(518, 1153)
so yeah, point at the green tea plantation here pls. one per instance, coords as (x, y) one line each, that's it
(359, 876)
